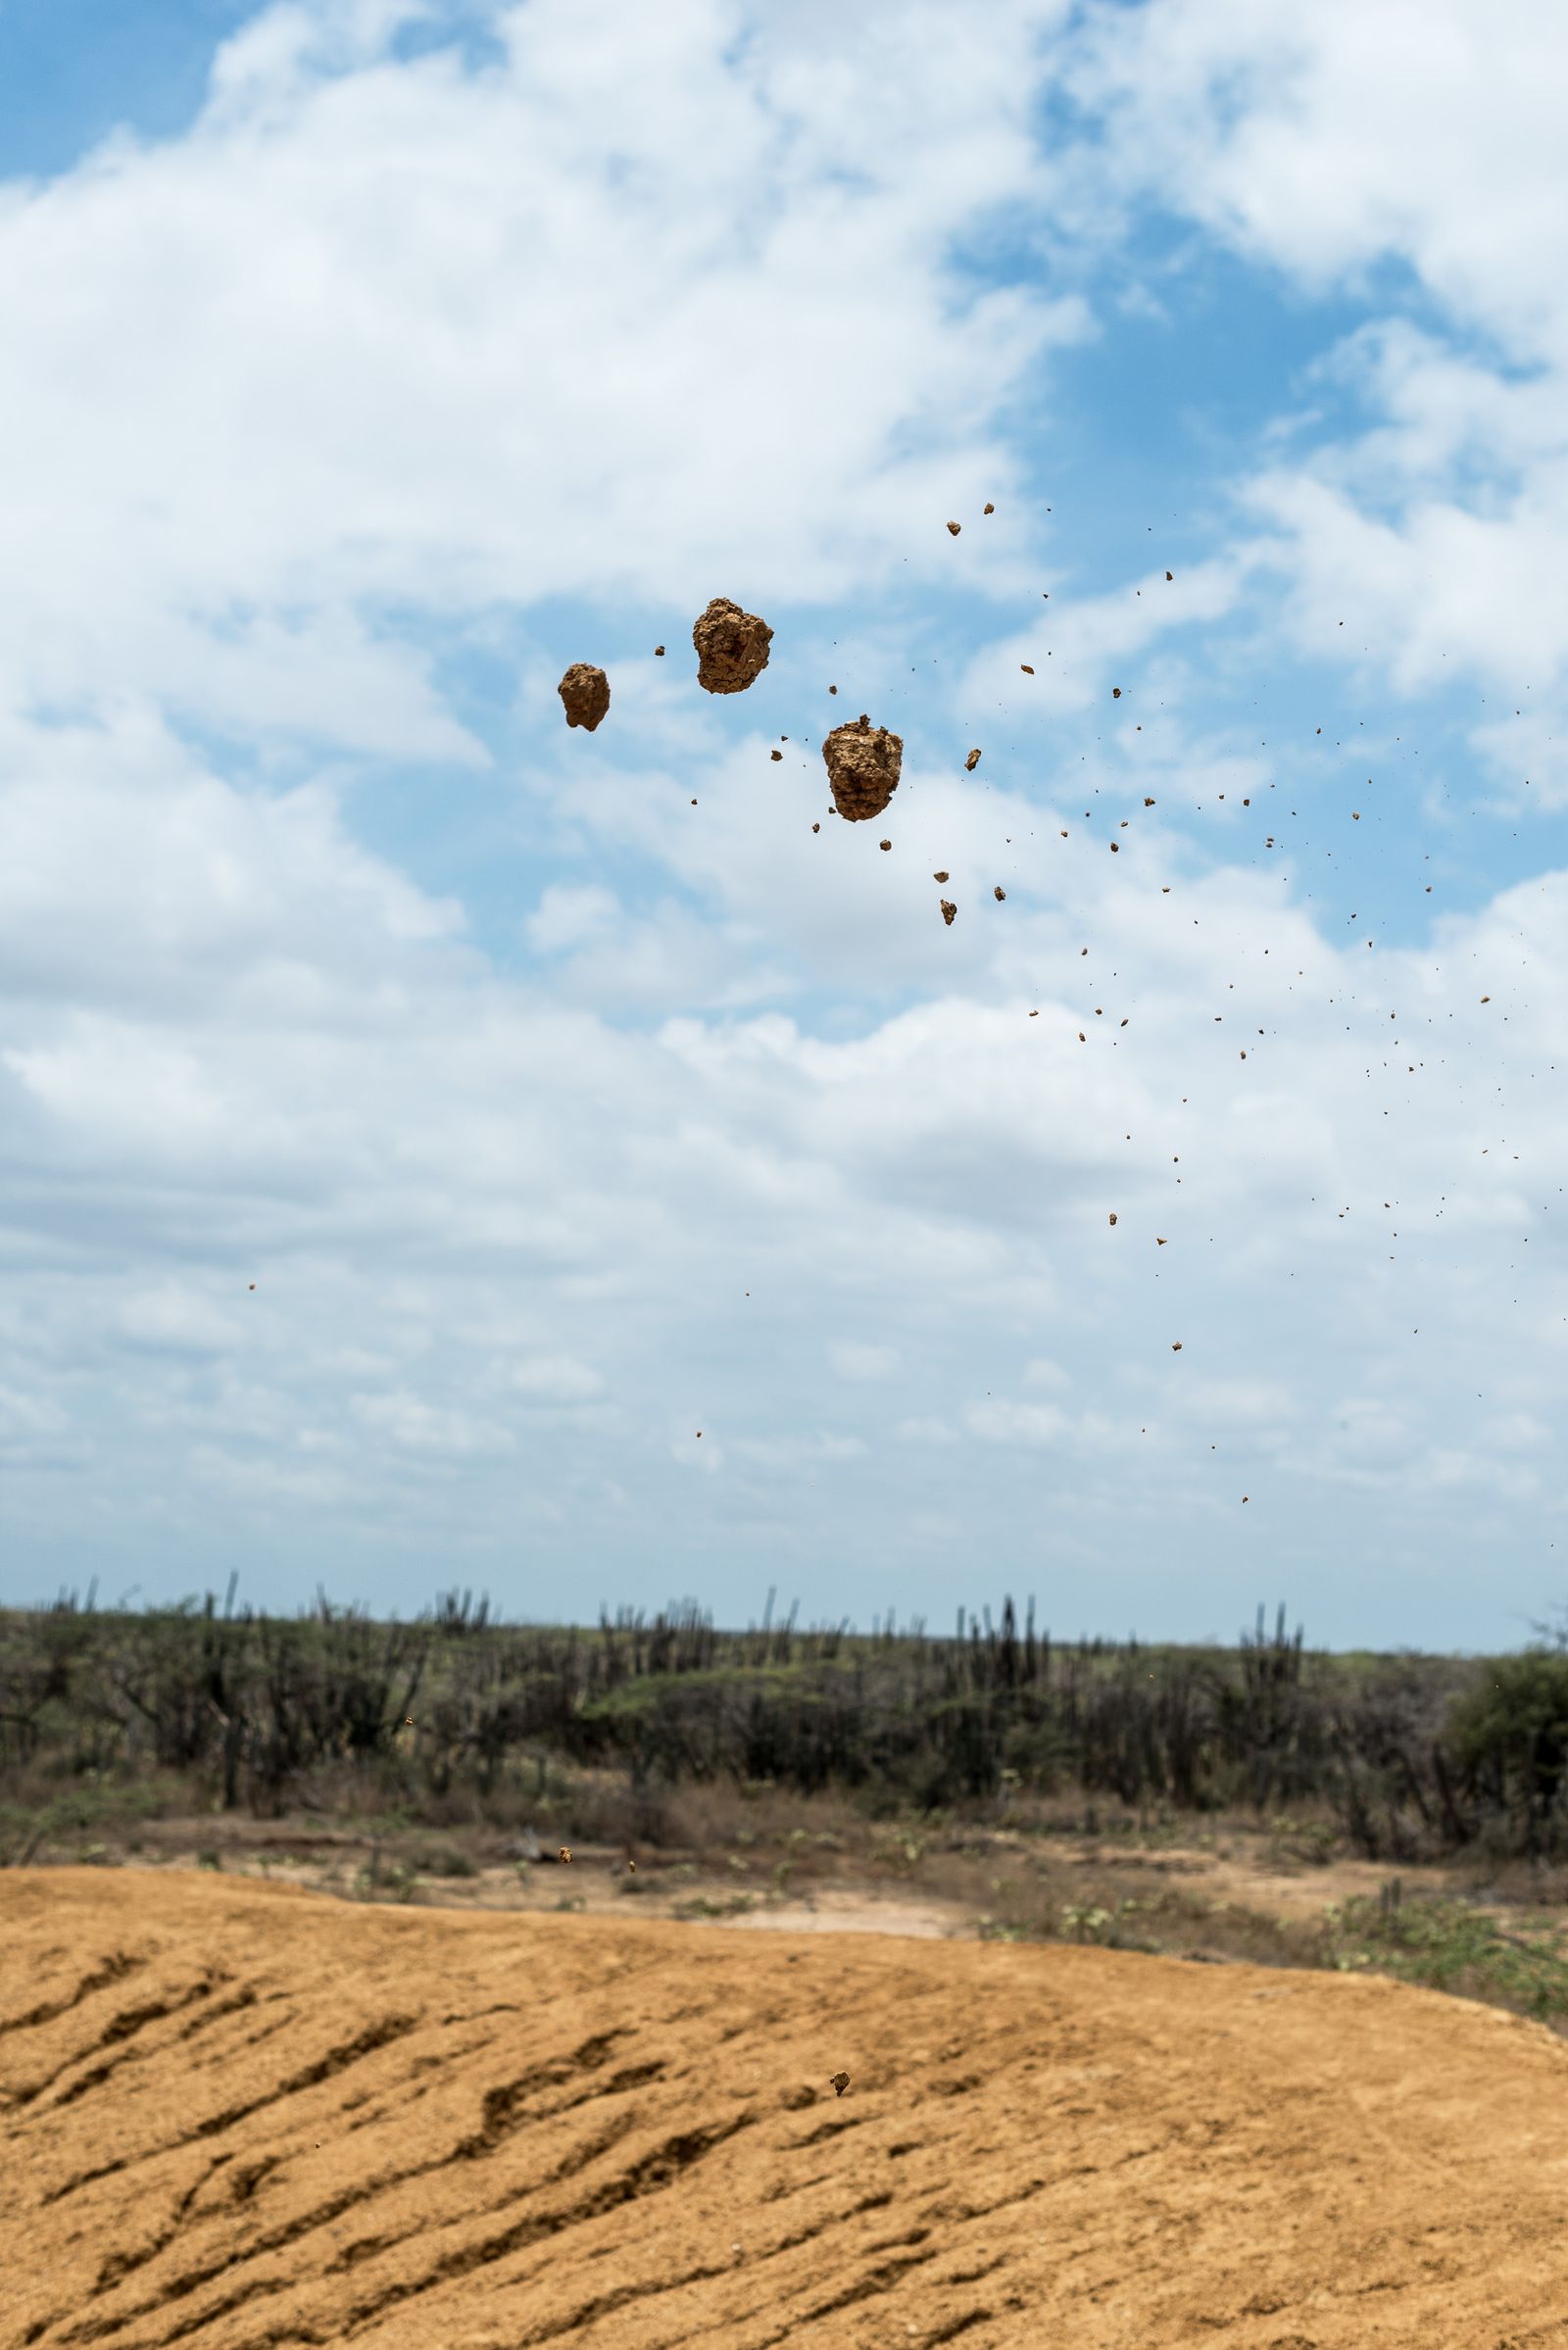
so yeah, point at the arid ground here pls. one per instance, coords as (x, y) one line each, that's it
(239, 2113)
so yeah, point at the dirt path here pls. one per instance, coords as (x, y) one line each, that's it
(237, 2114)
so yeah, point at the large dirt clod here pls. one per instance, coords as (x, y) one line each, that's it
(862, 765)
(585, 691)
(731, 646)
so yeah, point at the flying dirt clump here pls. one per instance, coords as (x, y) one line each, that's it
(948, 910)
(862, 765)
(585, 691)
(731, 646)
(972, 762)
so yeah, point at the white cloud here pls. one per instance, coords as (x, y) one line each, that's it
(414, 1425)
(1331, 145)
(863, 1359)
(308, 407)
(556, 1379)
(179, 1319)
(1003, 1421)
(555, 328)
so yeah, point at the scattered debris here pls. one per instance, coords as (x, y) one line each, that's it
(841, 2080)
(862, 765)
(972, 762)
(1024, 665)
(1001, 894)
(938, 876)
(659, 651)
(954, 527)
(565, 1854)
(731, 646)
(1114, 1215)
(776, 754)
(991, 510)
(948, 910)
(884, 844)
(585, 691)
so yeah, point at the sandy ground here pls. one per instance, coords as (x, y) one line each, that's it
(330, 1861)
(241, 2114)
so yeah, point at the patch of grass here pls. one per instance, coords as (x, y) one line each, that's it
(1449, 1946)
(387, 1881)
(731, 1905)
(449, 1860)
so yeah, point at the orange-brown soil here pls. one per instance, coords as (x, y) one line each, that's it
(243, 2114)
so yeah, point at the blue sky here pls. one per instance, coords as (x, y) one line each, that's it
(369, 363)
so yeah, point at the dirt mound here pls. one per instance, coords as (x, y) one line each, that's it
(243, 2115)
(862, 765)
(585, 691)
(731, 646)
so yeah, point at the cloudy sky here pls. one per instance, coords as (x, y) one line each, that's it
(366, 363)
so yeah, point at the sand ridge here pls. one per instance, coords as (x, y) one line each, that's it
(240, 2113)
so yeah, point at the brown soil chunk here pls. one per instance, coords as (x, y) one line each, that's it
(1001, 894)
(939, 877)
(862, 765)
(884, 844)
(991, 510)
(948, 910)
(660, 651)
(731, 646)
(585, 691)
(955, 527)
(972, 762)
(776, 754)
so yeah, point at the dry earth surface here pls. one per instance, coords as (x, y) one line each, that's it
(246, 2114)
